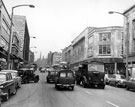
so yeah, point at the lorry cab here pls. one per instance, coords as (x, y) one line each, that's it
(91, 74)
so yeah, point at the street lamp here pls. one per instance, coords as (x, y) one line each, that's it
(33, 47)
(33, 37)
(10, 37)
(127, 39)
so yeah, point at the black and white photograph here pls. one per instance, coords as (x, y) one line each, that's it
(67, 53)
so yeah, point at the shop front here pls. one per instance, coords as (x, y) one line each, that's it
(3, 57)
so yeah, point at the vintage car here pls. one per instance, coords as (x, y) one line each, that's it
(28, 75)
(15, 76)
(130, 84)
(117, 80)
(51, 76)
(65, 78)
(7, 85)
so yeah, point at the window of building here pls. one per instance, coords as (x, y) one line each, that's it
(133, 34)
(133, 28)
(5, 26)
(104, 50)
(91, 39)
(105, 36)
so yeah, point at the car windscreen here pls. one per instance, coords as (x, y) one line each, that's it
(69, 74)
(122, 77)
(52, 73)
(20, 72)
(2, 77)
(14, 74)
(63, 74)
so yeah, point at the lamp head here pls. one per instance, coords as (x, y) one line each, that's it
(32, 6)
(34, 37)
(110, 12)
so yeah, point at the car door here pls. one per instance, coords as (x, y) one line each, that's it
(11, 82)
(129, 83)
(19, 79)
(133, 83)
(113, 79)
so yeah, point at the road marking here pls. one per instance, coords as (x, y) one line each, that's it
(88, 92)
(112, 104)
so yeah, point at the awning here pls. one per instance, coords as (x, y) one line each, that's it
(3, 53)
(100, 60)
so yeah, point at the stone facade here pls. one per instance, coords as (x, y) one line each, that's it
(104, 44)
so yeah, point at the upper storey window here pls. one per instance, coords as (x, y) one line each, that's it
(105, 36)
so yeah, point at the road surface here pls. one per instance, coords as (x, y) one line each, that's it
(42, 94)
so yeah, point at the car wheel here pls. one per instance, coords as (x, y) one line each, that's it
(19, 85)
(127, 87)
(109, 83)
(72, 88)
(116, 84)
(6, 98)
(48, 81)
(35, 80)
(84, 84)
(78, 82)
(26, 81)
(56, 86)
(0, 103)
(103, 86)
(15, 91)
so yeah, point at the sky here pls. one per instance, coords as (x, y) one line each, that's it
(56, 23)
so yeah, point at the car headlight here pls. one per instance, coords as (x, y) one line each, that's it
(1, 86)
(102, 79)
(120, 81)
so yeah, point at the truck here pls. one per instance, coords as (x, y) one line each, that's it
(90, 75)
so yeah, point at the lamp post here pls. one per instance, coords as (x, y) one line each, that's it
(127, 39)
(10, 36)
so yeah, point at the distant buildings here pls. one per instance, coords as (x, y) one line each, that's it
(54, 58)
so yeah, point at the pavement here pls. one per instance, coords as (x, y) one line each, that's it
(42, 94)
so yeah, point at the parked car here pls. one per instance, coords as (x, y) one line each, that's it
(130, 84)
(107, 78)
(7, 85)
(51, 76)
(65, 78)
(15, 76)
(117, 80)
(28, 75)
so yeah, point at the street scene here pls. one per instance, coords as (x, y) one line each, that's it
(67, 53)
(42, 94)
